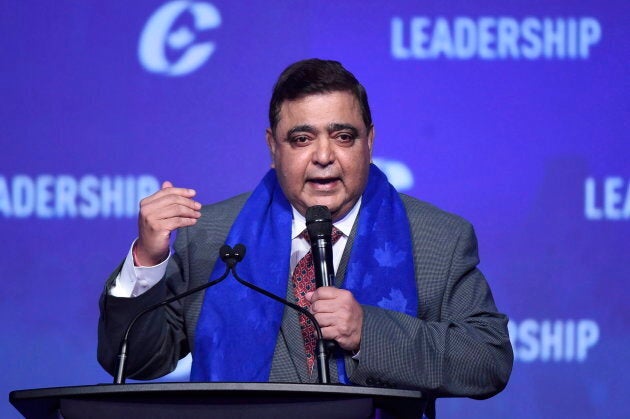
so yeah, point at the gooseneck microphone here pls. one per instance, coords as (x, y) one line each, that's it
(319, 227)
(230, 257)
(320, 351)
(227, 255)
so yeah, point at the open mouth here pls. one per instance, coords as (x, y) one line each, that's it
(324, 181)
(328, 184)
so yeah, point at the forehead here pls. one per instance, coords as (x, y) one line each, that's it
(321, 109)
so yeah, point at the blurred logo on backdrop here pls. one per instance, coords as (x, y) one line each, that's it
(397, 172)
(493, 38)
(174, 41)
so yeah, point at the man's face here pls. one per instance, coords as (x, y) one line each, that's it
(321, 151)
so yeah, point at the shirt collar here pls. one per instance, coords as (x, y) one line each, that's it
(344, 225)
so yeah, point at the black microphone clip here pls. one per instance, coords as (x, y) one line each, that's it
(226, 253)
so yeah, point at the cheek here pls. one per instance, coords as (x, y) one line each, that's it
(358, 176)
(357, 164)
(295, 164)
(290, 173)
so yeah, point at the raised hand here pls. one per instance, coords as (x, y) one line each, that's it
(166, 210)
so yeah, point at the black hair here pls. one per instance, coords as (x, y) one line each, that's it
(315, 76)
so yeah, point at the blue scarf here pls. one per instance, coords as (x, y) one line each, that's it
(237, 327)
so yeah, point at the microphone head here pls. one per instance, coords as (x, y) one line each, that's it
(318, 213)
(318, 222)
(226, 252)
(239, 252)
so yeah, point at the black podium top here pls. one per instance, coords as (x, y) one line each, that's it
(216, 400)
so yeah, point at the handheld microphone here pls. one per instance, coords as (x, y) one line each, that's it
(227, 255)
(319, 227)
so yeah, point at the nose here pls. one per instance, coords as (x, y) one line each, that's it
(323, 152)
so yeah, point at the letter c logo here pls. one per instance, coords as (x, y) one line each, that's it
(163, 38)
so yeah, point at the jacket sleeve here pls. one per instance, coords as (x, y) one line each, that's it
(158, 339)
(459, 344)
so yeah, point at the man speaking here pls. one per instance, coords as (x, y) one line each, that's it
(409, 308)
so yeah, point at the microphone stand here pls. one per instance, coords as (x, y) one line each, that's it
(227, 256)
(231, 257)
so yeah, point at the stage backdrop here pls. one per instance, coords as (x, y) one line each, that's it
(514, 115)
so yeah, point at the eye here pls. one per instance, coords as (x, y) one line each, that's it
(345, 138)
(299, 140)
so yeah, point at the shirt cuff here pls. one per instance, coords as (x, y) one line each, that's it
(133, 281)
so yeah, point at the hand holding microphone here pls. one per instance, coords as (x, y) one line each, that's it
(337, 311)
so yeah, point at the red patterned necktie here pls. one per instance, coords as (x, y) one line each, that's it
(303, 281)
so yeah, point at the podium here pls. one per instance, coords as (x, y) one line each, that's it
(217, 400)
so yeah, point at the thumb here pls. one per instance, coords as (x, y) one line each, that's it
(166, 184)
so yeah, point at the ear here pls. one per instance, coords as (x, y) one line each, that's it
(370, 139)
(271, 144)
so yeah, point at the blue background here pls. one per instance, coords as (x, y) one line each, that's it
(506, 143)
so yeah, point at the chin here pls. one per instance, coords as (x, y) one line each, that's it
(335, 211)
(333, 207)
(333, 204)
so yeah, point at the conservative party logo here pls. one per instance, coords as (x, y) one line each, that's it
(174, 40)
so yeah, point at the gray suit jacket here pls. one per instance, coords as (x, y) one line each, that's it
(457, 345)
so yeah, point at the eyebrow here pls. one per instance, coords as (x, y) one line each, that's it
(332, 127)
(302, 128)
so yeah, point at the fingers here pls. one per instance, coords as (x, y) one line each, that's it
(327, 296)
(167, 190)
(339, 315)
(167, 213)
(171, 205)
(170, 202)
